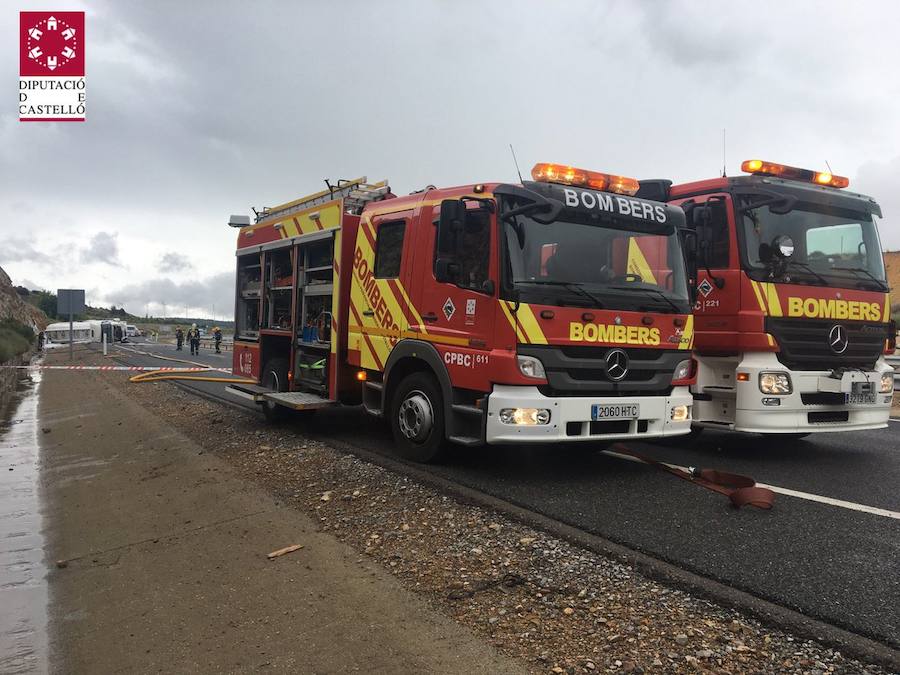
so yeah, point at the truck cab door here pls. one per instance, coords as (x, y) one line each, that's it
(457, 289)
(718, 296)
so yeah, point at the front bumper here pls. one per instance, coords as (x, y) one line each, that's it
(815, 404)
(570, 416)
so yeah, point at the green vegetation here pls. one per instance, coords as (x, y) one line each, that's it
(15, 339)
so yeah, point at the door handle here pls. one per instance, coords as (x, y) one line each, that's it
(368, 312)
(431, 316)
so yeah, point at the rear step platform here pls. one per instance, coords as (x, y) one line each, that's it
(298, 400)
(250, 391)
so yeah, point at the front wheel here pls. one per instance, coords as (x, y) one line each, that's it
(275, 378)
(417, 419)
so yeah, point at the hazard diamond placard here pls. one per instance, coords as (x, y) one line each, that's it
(51, 67)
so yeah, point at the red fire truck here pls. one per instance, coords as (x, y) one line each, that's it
(552, 310)
(792, 312)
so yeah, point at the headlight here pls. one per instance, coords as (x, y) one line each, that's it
(887, 383)
(525, 416)
(531, 367)
(775, 383)
(680, 413)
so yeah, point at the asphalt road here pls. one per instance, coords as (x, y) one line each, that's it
(829, 562)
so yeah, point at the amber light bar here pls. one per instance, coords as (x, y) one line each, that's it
(759, 167)
(569, 175)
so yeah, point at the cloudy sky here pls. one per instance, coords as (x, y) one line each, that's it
(199, 110)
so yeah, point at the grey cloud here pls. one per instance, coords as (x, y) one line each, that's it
(103, 248)
(174, 262)
(19, 249)
(200, 295)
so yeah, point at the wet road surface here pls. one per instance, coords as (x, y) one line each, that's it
(23, 587)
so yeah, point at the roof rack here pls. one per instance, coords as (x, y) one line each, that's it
(355, 193)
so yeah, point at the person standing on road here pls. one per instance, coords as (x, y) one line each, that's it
(217, 336)
(179, 338)
(193, 336)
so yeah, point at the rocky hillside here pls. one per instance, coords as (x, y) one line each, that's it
(12, 306)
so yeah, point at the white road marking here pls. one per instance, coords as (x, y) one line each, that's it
(831, 501)
(853, 506)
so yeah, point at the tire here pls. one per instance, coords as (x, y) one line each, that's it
(275, 377)
(417, 419)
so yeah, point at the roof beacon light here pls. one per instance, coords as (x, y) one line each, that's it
(758, 166)
(569, 175)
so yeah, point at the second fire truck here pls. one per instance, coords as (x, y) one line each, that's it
(552, 310)
(792, 313)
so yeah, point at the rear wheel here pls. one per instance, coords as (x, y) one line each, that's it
(275, 378)
(417, 419)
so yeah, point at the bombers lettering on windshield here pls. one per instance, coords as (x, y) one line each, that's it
(820, 308)
(623, 206)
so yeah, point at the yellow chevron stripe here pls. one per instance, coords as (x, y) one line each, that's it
(771, 294)
(530, 325)
(520, 336)
(688, 333)
(759, 297)
(887, 308)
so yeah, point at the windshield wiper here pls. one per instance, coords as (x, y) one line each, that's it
(809, 269)
(571, 285)
(665, 297)
(882, 286)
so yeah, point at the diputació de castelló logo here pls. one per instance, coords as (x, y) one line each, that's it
(51, 67)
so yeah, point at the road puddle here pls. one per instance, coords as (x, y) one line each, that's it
(23, 583)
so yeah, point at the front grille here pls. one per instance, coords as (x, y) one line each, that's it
(581, 370)
(823, 398)
(805, 345)
(828, 417)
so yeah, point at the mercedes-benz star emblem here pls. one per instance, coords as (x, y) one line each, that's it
(616, 364)
(838, 340)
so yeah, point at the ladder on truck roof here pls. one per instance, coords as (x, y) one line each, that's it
(355, 193)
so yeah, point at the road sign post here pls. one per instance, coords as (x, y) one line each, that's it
(70, 301)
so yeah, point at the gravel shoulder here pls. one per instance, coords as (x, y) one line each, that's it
(162, 550)
(555, 607)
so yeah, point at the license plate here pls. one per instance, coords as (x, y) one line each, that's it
(864, 397)
(615, 411)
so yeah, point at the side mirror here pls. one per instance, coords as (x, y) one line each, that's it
(446, 270)
(453, 215)
(488, 287)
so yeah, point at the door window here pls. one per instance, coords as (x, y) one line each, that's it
(473, 251)
(389, 249)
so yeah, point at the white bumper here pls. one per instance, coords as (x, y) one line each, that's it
(570, 417)
(815, 404)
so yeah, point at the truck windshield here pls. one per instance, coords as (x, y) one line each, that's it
(831, 246)
(587, 264)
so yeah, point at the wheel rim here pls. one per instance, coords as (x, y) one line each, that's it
(416, 417)
(273, 378)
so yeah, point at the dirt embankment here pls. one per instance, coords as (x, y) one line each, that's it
(13, 307)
